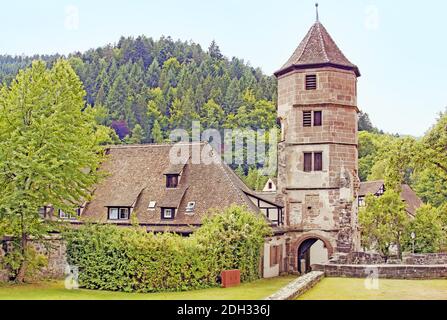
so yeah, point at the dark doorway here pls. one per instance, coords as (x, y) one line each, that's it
(304, 255)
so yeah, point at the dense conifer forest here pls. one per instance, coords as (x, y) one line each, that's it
(143, 87)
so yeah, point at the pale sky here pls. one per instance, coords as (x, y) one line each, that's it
(400, 46)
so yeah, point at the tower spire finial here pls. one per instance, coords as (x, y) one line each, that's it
(316, 9)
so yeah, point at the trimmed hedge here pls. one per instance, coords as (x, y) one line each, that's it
(132, 260)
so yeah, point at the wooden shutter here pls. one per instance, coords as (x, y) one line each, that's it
(317, 118)
(311, 82)
(307, 118)
(273, 256)
(318, 161)
(307, 162)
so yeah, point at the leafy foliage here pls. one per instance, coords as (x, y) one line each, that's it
(132, 260)
(427, 227)
(49, 150)
(141, 80)
(383, 222)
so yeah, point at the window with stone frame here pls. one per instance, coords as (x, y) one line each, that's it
(313, 161)
(318, 161)
(307, 118)
(311, 82)
(308, 162)
(312, 118)
(318, 119)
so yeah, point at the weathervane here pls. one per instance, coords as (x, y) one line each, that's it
(316, 9)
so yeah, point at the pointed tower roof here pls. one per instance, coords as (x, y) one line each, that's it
(317, 49)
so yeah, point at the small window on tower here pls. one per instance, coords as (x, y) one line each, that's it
(311, 82)
(317, 118)
(307, 118)
(318, 161)
(307, 162)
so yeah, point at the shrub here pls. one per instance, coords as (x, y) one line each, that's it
(427, 227)
(132, 260)
(12, 260)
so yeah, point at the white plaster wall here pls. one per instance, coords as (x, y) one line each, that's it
(271, 272)
(296, 177)
(325, 220)
(318, 253)
(266, 187)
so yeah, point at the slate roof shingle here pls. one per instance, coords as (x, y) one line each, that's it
(317, 49)
(136, 176)
(412, 201)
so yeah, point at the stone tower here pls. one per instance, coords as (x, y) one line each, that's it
(318, 153)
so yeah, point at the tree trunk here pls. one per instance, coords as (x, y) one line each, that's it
(399, 248)
(20, 278)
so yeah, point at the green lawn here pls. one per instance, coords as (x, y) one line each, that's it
(56, 291)
(354, 289)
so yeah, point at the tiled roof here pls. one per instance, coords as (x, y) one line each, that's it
(317, 49)
(412, 201)
(370, 187)
(136, 175)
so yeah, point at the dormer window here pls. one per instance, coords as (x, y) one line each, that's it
(117, 213)
(69, 216)
(43, 212)
(167, 213)
(311, 82)
(172, 181)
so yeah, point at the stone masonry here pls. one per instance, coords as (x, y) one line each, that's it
(384, 271)
(298, 286)
(53, 248)
(319, 204)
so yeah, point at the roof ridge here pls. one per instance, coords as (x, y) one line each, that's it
(317, 49)
(147, 145)
(318, 24)
(309, 36)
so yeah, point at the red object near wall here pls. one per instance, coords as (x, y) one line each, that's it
(231, 278)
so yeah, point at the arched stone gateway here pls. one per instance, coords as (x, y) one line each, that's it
(311, 249)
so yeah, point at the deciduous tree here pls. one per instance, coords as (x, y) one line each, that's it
(49, 151)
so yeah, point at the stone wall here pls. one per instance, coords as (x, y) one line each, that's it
(384, 271)
(357, 258)
(52, 247)
(297, 287)
(425, 259)
(364, 258)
